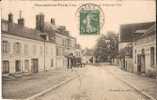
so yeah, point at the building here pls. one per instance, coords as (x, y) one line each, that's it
(138, 47)
(32, 50)
(144, 52)
(78, 51)
(24, 49)
(64, 42)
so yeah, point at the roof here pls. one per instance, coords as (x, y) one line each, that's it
(150, 31)
(129, 31)
(48, 27)
(22, 31)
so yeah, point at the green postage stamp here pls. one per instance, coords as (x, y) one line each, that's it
(89, 22)
(90, 19)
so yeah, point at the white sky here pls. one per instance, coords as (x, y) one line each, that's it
(132, 11)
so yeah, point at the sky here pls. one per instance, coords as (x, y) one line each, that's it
(121, 12)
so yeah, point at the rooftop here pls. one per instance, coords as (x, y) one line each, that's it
(22, 31)
(129, 31)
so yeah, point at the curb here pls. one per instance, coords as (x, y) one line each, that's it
(138, 90)
(51, 88)
(135, 87)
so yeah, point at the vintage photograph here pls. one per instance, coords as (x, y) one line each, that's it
(78, 50)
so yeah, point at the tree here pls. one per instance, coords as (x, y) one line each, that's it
(106, 47)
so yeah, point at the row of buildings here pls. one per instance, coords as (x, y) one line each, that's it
(32, 50)
(137, 48)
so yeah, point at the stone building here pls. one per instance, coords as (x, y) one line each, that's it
(144, 52)
(64, 42)
(142, 38)
(24, 49)
(32, 50)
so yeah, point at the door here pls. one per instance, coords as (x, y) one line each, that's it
(17, 66)
(26, 66)
(34, 68)
(5, 67)
(138, 63)
(143, 63)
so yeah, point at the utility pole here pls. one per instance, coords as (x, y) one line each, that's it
(44, 56)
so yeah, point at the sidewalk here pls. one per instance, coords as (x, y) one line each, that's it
(29, 85)
(145, 85)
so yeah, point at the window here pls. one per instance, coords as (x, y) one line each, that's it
(135, 56)
(5, 67)
(5, 47)
(41, 50)
(17, 48)
(34, 50)
(18, 65)
(51, 51)
(26, 65)
(26, 49)
(152, 55)
(63, 42)
(142, 51)
(59, 51)
(51, 62)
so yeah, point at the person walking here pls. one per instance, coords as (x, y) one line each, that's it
(83, 61)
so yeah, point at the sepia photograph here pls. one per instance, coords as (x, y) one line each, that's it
(78, 50)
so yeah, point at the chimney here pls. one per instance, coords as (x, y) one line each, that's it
(53, 21)
(40, 22)
(10, 18)
(20, 20)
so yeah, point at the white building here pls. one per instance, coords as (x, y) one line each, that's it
(65, 43)
(128, 38)
(144, 52)
(24, 50)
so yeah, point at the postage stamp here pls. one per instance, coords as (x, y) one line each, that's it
(90, 19)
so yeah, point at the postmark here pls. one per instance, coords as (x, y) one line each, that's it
(90, 18)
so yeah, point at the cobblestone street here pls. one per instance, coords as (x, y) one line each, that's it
(94, 82)
(27, 86)
(104, 82)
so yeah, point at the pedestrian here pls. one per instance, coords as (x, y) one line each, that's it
(71, 61)
(83, 61)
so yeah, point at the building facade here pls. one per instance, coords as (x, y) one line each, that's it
(142, 38)
(32, 50)
(144, 52)
(65, 43)
(24, 50)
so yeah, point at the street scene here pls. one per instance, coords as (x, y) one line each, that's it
(89, 53)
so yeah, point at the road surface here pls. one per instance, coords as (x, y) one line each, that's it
(94, 83)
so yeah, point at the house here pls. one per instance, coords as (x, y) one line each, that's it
(128, 33)
(144, 52)
(24, 49)
(64, 42)
(32, 50)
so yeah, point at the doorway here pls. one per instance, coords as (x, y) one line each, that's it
(26, 66)
(34, 68)
(17, 65)
(5, 67)
(141, 63)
